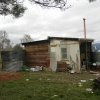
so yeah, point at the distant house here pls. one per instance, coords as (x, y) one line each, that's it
(48, 53)
(96, 47)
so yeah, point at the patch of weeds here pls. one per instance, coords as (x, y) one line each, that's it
(28, 96)
(24, 68)
(96, 86)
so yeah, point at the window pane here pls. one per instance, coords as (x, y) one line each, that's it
(64, 53)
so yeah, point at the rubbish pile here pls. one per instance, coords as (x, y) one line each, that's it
(31, 68)
(36, 68)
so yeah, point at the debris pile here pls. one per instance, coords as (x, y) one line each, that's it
(36, 68)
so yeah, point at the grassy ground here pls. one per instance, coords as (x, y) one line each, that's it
(48, 86)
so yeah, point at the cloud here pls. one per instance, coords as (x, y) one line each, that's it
(40, 22)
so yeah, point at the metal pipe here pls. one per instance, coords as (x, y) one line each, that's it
(84, 28)
(86, 55)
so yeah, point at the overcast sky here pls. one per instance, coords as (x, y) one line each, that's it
(41, 22)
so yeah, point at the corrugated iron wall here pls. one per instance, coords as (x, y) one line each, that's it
(12, 60)
(37, 55)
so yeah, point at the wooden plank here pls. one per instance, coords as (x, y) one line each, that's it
(37, 47)
(37, 55)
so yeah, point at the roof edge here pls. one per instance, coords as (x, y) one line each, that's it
(58, 38)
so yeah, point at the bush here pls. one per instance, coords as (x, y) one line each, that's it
(25, 68)
(96, 86)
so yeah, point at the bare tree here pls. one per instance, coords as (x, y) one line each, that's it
(16, 8)
(4, 41)
(62, 4)
(91, 0)
(26, 38)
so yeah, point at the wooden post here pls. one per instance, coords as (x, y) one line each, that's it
(86, 56)
(84, 28)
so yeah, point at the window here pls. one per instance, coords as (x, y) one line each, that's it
(64, 53)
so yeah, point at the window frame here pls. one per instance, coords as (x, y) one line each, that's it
(64, 53)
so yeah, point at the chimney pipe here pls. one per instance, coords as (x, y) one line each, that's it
(84, 28)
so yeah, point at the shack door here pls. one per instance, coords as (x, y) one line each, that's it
(85, 53)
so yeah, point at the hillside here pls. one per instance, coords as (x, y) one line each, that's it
(96, 47)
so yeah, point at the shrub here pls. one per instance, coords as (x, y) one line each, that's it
(96, 86)
(25, 68)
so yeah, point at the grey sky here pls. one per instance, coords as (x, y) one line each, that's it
(41, 22)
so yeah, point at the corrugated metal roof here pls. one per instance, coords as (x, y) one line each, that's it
(58, 38)
(73, 39)
(36, 42)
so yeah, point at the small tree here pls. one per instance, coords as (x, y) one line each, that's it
(17, 47)
(26, 38)
(4, 41)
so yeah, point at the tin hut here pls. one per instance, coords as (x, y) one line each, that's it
(54, 52)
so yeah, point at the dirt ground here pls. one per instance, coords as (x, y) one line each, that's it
(7, 76)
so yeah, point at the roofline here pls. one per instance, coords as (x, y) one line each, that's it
(87, 39)
(73, 39)
(62, 38)
(36, 42)
(58, 38)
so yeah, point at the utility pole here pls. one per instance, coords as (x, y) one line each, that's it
(84, 20)
(86, 56)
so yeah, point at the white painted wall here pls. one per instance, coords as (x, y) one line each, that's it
(54, 54)
(73, 52)
(55, 47)
(75, 55)
(53, 61)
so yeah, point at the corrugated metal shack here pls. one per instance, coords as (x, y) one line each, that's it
(54, 51)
